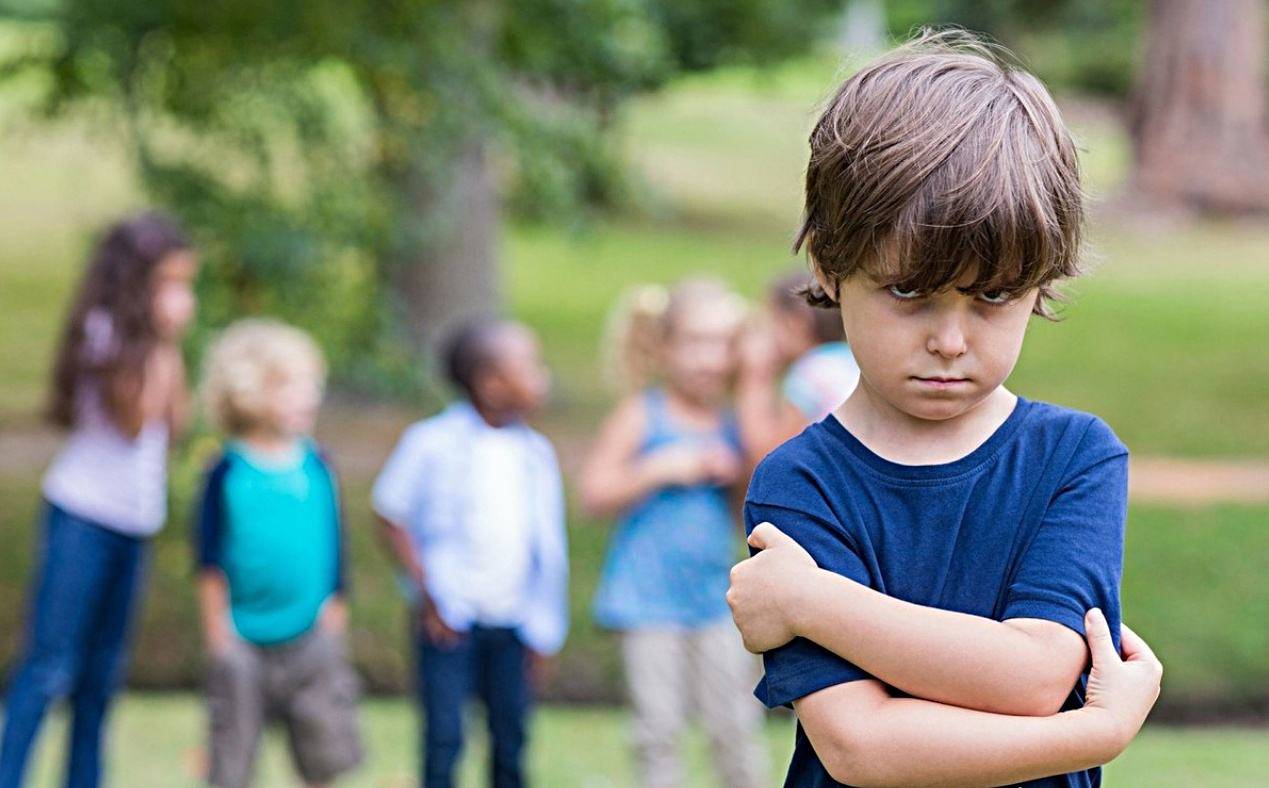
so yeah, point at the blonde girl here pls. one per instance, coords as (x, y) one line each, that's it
(666, 466)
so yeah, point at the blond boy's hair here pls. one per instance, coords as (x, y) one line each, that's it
(246, 363)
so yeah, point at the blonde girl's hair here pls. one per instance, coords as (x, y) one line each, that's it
(646, 316)
(245, 365)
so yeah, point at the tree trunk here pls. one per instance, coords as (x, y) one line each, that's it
(452, 272)
(1199, 109)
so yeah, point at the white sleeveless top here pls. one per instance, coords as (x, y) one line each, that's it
(103, 475)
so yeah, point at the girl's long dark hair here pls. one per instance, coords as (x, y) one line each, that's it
(118, 283)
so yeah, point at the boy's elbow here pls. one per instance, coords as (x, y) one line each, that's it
(846, 759)
(852, 756)
(1045, 701)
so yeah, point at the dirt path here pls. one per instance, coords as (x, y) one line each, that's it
(361, 439)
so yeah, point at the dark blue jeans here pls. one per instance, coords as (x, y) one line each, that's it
(80, 608)
(491, 664)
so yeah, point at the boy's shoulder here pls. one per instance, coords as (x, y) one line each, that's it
(1046, 424)
(818, 464)
(804, 469)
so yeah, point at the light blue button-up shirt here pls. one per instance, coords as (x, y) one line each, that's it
(425, 487)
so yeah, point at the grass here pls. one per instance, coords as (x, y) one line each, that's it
(157, 740)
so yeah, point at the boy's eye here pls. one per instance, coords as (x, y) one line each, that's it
(996, 297)
(903, 294)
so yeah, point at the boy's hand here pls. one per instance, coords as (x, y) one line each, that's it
(435, 628)
(1124, 690)
(763, 589)
(334, 617)
(217, 639)
(540, 668)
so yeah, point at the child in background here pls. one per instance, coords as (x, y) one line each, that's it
(271, 562)
(667, 463)
(472, 508)
(119, 387)
(819, 369)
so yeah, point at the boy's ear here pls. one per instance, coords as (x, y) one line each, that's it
(827, 285)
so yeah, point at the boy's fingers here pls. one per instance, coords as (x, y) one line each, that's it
(766, 535)
(760, 537)
(1097, 633)
(1133, 646)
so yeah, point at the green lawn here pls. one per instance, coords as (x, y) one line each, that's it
(157, 741)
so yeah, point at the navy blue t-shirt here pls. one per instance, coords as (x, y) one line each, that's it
(1028, 525)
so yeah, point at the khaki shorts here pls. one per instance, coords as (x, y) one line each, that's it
(306, 684)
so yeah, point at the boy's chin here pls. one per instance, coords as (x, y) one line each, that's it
(937, 408)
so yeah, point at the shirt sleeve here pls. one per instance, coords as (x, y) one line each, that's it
(545, 624)
(209, 524)
(1075, 560)
(396, 493)
(801, 667)
(340, 520)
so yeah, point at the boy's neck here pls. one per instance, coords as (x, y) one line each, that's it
(269, 443)
(496, 417)
(900, 437)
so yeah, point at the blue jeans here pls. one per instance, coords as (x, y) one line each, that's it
(81, 605)
(490, 663)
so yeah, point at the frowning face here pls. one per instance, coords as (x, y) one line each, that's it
(933, 356)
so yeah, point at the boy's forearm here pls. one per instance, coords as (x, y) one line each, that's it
(908, 741)
(938, 655)
(397, 544)
(213, 607)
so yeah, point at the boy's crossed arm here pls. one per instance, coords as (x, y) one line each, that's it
(954, 664)
(1018, 667)
(866, 737)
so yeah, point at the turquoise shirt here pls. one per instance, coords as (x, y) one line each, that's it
(273, 528)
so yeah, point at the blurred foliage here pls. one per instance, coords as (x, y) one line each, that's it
(301, 139)
(1089, 46)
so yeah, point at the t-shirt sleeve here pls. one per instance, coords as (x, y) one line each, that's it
(340, 519)
(801, 667)
(1075, 560)
(209, 524)
(396, 493)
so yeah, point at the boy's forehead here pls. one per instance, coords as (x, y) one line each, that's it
(509, 340)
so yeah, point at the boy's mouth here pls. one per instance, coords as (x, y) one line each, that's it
(940, 381)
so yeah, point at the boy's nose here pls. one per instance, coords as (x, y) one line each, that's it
(947, 339)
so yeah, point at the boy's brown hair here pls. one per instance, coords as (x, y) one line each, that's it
(939, 159)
